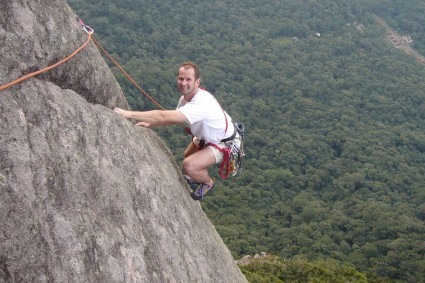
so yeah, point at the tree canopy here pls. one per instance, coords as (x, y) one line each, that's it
(334, 117)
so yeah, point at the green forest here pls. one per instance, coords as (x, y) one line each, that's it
(334, 116)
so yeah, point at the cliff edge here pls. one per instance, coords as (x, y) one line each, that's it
(86, 196)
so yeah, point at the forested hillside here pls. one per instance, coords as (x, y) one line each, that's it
(334, 116)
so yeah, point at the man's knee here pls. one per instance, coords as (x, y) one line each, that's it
(186, 165)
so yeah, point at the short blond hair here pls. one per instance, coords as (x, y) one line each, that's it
(188, 65)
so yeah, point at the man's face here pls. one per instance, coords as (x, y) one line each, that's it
(186, 82)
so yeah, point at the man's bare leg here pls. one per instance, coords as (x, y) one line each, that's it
(196, 165)
(191, 149)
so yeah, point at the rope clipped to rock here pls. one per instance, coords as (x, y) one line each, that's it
(21, 79)
(90, 37)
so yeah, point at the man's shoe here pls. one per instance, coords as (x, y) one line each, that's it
(201, 191)
(188, 179)
(193, 185)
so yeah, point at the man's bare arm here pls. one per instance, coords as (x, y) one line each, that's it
(154, 117)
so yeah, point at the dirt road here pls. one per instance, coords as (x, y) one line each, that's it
(399, 41)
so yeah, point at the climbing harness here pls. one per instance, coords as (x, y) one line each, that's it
(232, 153)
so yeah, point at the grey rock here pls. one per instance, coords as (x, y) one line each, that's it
(38, 34)
(85, 195)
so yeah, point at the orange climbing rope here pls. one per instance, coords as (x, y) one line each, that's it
(127, 75)
(89, 32)
(186, 129)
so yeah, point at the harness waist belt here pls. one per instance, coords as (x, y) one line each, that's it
(229, 138)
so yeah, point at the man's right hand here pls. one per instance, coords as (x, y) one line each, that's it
(120, 111)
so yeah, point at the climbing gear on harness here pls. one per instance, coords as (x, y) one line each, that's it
(240, 128)
(201, 191)
(232, 153)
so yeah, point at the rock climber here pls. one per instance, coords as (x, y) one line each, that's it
(208, 123)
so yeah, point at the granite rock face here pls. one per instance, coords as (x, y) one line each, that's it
(85, 195)
(38, 34)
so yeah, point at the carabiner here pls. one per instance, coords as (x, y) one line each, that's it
(88, 29)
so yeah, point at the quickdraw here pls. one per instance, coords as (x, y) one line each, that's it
(88, 29)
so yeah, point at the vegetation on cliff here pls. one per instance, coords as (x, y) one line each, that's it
(272, 269)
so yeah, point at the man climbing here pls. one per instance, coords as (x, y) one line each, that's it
(209, 125)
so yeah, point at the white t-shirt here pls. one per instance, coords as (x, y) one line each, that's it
(206, 117)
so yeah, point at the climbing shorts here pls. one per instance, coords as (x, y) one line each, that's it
(217, 153)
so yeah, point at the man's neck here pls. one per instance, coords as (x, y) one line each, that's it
(189, 97)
